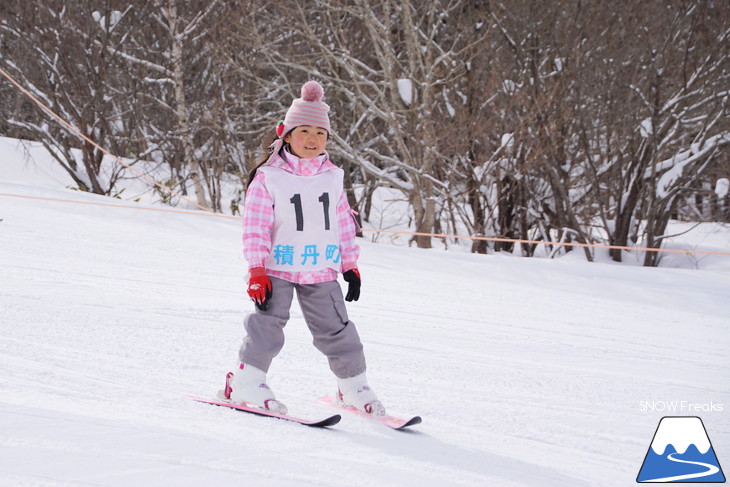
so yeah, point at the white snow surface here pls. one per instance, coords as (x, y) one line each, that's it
(527, 372)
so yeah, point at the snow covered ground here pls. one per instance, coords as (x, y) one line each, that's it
(527, 372)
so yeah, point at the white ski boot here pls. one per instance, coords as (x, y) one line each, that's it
(248, 386)
(355, 392)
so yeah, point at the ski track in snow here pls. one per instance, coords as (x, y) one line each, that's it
(525, 371)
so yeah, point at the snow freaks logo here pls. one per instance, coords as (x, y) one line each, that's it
(680, 452)
(680, 407)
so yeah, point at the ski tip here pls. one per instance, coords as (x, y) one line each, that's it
(331, 421)
(411, 422)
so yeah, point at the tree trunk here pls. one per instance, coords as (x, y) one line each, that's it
(181, 110)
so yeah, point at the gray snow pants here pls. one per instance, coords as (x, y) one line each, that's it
(324, 311)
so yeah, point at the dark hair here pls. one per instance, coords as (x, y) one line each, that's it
(269, 138)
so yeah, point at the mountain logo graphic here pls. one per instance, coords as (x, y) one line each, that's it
(681, 452)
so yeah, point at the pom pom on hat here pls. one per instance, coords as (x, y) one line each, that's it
(307, 110)
(312, 91)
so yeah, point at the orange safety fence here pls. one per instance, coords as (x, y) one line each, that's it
(547, 242)
(208, 212)
(78, 133)
(378, 230)
(115, 205)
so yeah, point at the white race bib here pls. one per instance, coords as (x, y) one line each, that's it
(306, 234)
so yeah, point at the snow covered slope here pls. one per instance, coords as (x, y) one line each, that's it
(527, 372)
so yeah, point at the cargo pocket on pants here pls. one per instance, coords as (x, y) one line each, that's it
(339, 303)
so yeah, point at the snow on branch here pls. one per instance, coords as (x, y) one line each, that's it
(673, 167)
(142, 62)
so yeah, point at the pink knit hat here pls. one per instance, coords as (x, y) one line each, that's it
(307, 110)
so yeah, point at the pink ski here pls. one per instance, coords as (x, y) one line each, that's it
(389, 421)
(330, 421)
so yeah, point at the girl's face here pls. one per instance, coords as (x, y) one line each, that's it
(307, 141)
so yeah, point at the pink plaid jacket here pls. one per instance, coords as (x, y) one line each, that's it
(258, 221)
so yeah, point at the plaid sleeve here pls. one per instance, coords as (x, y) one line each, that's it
(258, 221)
(349, 249)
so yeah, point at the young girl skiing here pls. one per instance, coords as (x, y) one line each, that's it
(298, 233)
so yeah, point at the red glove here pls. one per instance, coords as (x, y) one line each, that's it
(259, 287)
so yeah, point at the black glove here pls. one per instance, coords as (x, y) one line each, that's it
(353, 289)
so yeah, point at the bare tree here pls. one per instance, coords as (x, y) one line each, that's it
(172, 57)
(64, 55)
(564, 120)
(617, 109)
(389, 64)
(668, 116)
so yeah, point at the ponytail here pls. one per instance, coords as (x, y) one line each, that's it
(266, 145)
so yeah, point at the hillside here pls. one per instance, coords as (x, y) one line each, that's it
(527, 372)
